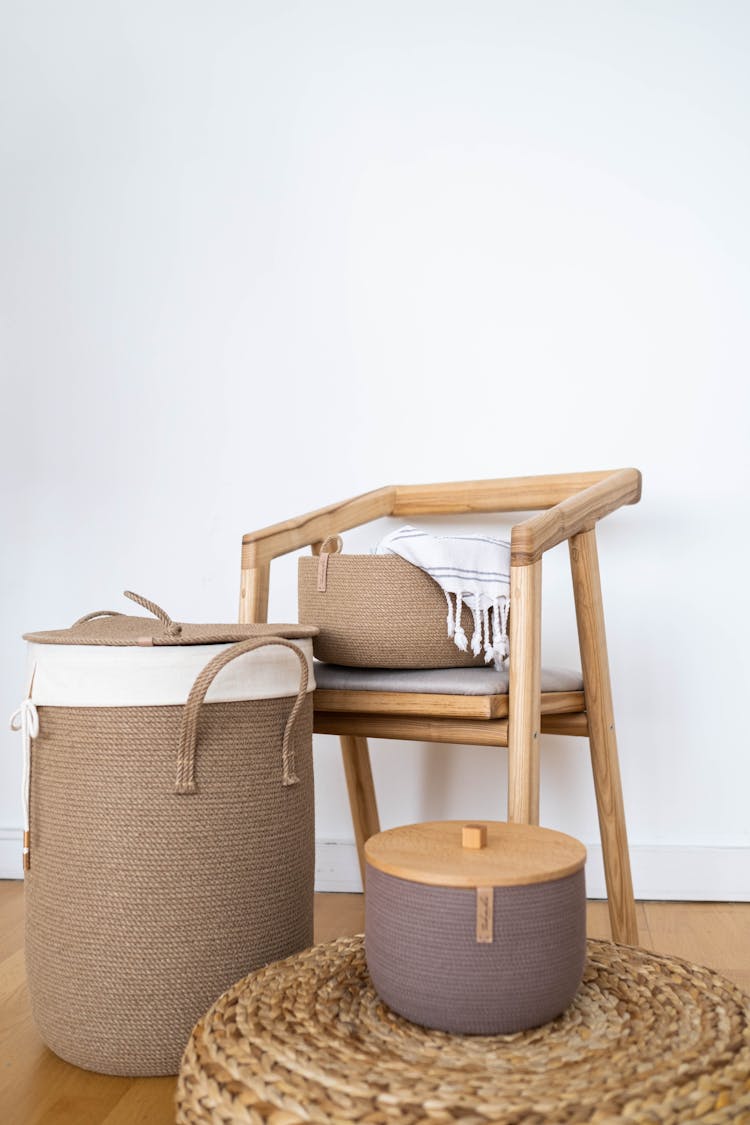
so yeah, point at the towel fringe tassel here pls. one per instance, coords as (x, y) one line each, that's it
(490, 629)
(449, 619)
(459, 636)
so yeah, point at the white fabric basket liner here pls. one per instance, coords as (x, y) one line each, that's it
(161, 676)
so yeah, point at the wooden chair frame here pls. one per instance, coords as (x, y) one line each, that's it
(569, 507)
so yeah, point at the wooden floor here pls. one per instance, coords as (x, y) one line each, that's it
(37, 1088)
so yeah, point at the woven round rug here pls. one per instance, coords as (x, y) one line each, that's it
(649, 1038)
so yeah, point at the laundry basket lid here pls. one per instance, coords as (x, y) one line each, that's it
(454, 853)
(109, 627)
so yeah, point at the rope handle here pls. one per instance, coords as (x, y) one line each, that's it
(185, 782)
(172, 627)
(97, 613)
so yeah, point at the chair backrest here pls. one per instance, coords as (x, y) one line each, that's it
(569, 503)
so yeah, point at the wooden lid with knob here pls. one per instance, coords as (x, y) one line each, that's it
(455, 853)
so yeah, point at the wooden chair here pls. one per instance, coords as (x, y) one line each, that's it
(569, 507)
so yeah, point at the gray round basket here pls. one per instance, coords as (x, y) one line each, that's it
(475, 929)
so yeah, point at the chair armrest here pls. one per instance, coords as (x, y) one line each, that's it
(260, 547)
(530, 539)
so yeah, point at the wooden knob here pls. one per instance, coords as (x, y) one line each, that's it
(474, 836)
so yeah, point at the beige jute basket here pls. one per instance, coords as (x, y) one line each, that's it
(377, 611)
(170, 844)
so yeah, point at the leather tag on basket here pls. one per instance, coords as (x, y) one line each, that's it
(484, 915)
(323, 571)
(332, 545)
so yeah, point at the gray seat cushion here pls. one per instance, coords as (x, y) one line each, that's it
(435, 681)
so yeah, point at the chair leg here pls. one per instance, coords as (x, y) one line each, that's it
(254, 594)
(362, 799)
(584, 564)
(524, 702)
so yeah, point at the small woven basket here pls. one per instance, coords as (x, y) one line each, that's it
(171, 838)
(378, 611)
(475, 929)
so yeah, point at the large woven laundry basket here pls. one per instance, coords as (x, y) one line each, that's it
(171, 837)
(377, 611)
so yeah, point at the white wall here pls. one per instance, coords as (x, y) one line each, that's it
(260, 256)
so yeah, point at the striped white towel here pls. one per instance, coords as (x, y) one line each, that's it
(473, 569)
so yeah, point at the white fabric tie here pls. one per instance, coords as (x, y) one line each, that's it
(26, 720)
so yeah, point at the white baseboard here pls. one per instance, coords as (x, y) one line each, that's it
(661, 872)
(679, 872)
(11, 843)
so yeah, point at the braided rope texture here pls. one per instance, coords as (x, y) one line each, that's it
(379, 611)
(648, 1040)
(172, 627)
(143, 905)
